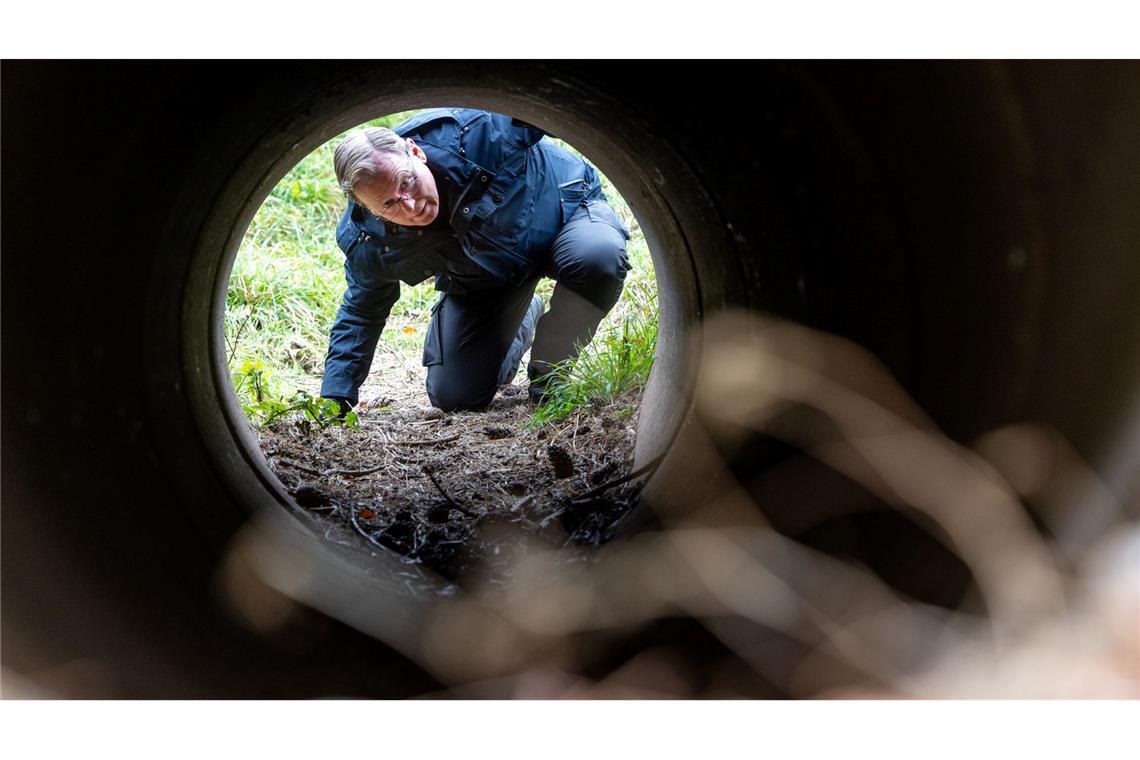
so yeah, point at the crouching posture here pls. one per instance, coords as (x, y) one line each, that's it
(486, 206)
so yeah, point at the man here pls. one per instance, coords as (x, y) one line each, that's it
(482, 203)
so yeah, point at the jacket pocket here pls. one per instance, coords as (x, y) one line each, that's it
(347, 238)
(572, 195)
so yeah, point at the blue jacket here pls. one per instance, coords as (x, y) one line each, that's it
(505, 193)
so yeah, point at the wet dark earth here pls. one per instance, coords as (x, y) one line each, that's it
(465, 494)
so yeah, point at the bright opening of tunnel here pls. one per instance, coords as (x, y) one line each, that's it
(406, 476)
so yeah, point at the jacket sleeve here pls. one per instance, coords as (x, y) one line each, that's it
(357, 327)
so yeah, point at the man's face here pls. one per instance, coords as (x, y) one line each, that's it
(405, 192)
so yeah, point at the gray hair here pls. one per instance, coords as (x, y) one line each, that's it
(359, 156)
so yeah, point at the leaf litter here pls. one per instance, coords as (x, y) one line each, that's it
(463, 494)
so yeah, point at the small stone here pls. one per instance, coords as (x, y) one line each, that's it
(432, 413)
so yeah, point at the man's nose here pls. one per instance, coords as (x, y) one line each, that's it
(408, 202)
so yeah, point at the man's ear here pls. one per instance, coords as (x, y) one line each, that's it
(417, 151)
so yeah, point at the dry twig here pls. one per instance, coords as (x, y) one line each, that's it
(647, 467)
(450, 501)
(301, 467)
(429, 442)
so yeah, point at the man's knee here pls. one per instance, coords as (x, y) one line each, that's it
(596, 266)
(605, 263)
(453, 395)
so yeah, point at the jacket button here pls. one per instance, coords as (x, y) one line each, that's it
(484, 178)
(419, 233)
(498, 198)
(466, 210)
(462, 152)
(386, 249)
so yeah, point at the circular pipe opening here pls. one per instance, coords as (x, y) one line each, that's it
(582, 118)
(489, 466)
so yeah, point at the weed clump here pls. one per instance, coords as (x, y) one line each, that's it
(251, 381)
(617, 361)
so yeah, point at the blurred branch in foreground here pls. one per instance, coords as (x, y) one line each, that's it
(1048, 607)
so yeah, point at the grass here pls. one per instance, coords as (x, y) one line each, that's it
(288, 279)
(619, 359)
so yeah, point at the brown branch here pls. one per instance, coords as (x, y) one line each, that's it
(445, 439)
(354, 473)
(300, 467)
(381, 466)
(647, 467)
(366, 534)
(451, 501)
(237, 338)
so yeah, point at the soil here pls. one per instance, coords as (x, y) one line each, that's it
(461, 493)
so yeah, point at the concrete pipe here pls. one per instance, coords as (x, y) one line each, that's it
(971, 226)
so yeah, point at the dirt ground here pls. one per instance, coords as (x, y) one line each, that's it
(461, 493)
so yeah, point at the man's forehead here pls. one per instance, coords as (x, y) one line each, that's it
(390, 172)
(390, 166)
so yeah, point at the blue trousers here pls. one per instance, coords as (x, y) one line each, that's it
(476, 341)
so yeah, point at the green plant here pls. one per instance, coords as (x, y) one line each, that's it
(619, 359)
(252, 383)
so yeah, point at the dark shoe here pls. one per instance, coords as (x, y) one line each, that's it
(541, 389)
(536, 392)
